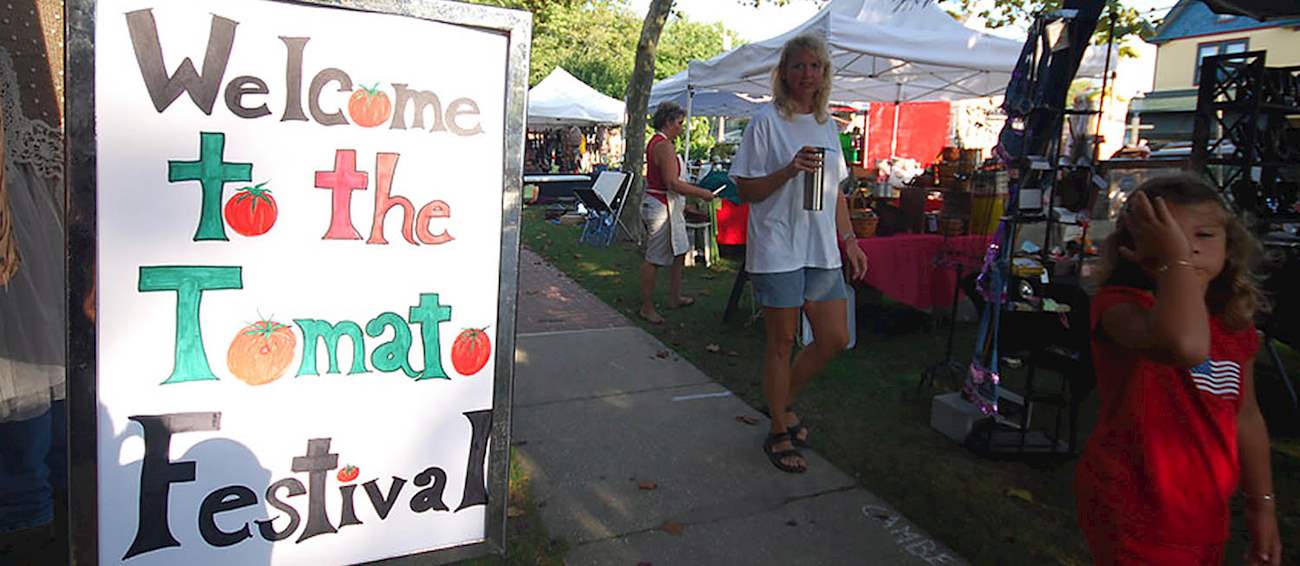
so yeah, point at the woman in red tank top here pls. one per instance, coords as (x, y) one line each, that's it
(661, 211)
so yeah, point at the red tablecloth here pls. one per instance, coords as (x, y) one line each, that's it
(907, 268)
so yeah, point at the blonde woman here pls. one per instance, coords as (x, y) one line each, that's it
(662, 209)
(795, 257)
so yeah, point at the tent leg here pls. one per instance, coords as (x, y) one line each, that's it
(686, 153)
(893, 137)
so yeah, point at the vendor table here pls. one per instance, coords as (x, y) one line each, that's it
(557, 187)
(920, 269)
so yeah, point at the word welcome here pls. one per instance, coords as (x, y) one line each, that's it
(158, 473)
(368, 107)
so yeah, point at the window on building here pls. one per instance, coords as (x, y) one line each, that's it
(1216, 48)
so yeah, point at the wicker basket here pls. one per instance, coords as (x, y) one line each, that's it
(952, 226)
(864, 223)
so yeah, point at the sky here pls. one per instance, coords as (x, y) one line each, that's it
(756, 24)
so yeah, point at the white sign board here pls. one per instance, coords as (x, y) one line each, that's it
(300, 241)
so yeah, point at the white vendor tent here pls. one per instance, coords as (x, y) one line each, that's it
(707, 102)
(881, 50)
(563, 100)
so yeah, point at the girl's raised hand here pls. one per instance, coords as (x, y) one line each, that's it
(1158, 238)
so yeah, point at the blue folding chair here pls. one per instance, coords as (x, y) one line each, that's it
(604, 203)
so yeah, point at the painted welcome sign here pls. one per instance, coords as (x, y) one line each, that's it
(299, 239)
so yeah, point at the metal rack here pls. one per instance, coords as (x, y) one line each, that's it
(1245, 142)
(1032, 149)
(1242, 137)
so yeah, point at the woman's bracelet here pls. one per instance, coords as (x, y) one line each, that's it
(1180, 263)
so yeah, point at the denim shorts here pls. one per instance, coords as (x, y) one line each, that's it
(791, 289)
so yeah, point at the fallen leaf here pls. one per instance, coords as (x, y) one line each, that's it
(1020, 494)
(513, 512)
(673, 528)
(661, 354)
(648, 485)
(751, 421)
(713, 348)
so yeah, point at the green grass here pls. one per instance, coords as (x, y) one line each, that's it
(527, 542)
(869, 419)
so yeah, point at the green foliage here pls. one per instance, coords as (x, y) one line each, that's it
(1001, 13)
(595, 40)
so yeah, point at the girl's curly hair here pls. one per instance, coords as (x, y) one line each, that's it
(1235, 294)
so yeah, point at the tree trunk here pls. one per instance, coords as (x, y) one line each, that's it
(637, 98)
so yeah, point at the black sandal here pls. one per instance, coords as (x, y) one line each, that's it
(776, 457)
(793, 430)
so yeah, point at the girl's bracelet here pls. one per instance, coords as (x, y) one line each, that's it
(1265, 498)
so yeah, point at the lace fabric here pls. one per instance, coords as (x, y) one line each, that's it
(30, 142)
(32, 304)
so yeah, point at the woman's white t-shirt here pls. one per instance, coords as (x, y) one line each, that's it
(781, 235)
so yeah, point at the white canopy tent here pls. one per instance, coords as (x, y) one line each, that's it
(708, 102)
(881, 51)
(563, 100)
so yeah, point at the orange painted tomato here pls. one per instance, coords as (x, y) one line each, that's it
(252, 211)
(261, 352)
(369, 106)
(348, 473)
(470, 351)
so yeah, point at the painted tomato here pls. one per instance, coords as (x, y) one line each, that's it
(470, 351)
(261, 352)
(369, 106)
(348, 473)
(252, 211)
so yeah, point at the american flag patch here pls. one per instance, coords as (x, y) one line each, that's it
(1221, 378)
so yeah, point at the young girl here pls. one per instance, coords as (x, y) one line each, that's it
(1174, 344)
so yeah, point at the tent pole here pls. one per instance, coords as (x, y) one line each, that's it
(893, 137)
(686, 153)
(866, 140)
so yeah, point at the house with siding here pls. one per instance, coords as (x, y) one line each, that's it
(1190, 33)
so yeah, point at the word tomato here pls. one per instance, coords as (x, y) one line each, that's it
(470, 351)
(369, 106)
(252, 211)
(261, 352)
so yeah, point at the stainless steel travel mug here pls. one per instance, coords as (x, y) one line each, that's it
(813, 183)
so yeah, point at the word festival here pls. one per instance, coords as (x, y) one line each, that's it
(159, 473)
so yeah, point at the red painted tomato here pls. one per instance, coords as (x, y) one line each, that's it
(470, 351)
(252, 211)
(369, 106)
(348, 473)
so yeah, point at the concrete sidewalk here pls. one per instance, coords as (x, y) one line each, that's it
(603, 410)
